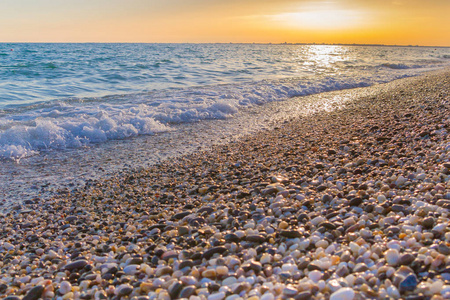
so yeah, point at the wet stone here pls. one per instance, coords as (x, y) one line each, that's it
(76, 265)
(71, 219)
(124, 290)
(361, 267)
(406, 259)
(291, 234)
(174, 289)
(181, 215)
(231, 237)
(183, 230)
(256, 238)
(305, 295)
(35, 293)
(136, 261)
(443, 248)
(328, 225)
(186, 263)
(187, 291)
(210, 252)
(355, 202)
(314, 266)
(428, 223)
(409, 283)
(342, 271)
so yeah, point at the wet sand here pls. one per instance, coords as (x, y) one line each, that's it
(348, 203)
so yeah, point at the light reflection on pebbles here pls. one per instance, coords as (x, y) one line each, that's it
(351, 205)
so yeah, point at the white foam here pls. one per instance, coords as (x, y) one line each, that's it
(74, 124)
(77, 127)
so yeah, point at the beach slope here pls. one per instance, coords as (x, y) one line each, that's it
(352, 203)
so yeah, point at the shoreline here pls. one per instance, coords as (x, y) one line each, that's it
(349, 203)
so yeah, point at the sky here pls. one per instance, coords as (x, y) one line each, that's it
(400, 22)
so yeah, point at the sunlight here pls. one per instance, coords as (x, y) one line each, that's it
(325, 56)
(322, 16)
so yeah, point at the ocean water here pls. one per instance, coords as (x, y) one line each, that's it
(69, 112)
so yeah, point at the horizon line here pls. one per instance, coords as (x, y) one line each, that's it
(244, 43)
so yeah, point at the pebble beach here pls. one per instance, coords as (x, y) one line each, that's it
(348, 203)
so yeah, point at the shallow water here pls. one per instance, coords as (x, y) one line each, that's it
(74, 112)
(62, 171)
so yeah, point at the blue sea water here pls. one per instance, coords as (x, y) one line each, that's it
(58, 96)
(71, 111)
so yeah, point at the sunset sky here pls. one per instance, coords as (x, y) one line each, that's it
(405, 22)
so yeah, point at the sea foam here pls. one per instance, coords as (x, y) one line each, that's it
(68, 96)
(75, 124)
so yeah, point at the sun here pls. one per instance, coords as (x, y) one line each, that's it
(320, 16)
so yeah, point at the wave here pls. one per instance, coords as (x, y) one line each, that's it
(25, 131)
(398, 66)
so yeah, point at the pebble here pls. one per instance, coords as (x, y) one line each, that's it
(315, 275)
(392, 257)
(344, 293)
(409, 283)
(35, 293)
(79, 264)
(65, 287)
(273, 215)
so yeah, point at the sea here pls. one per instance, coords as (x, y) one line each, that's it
(71, 114)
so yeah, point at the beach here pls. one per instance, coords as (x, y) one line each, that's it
(351, 202)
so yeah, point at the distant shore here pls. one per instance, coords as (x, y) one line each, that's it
(352, 203)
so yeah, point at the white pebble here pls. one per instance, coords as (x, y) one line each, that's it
(317, 220)
(445, 290)
(392, 256)
(7, 246)
(436, 286)
(216, 296)
(267, 296)
(65, 287)
(229, 281)
(440, 227)
(265, 258)
(315, 275)
(131, 269)
(345, 293)
(393, 292)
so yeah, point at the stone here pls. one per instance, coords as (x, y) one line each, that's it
(217, 296)
(181, 215)
(76, 265)
(187, 291)
(409, 283)
(186, 263)
(124, 290)
(315, 275)
(289, 291)
(392, 257)
(255, 238)
(406, 259)
(305, 295)
(355, 201)
(291, 234)
(342, 271)
(183, 230)
(231, 237)
(174, 289)
(361, 267)
(428, 223)
(210, 252)
(65, 287)
(35, 293)
(344, 293)
(443, 248)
